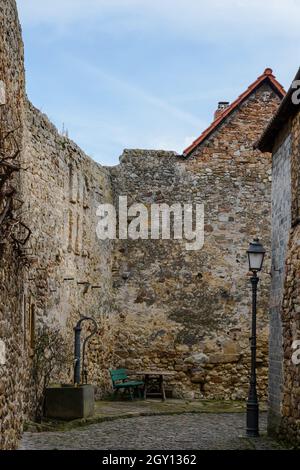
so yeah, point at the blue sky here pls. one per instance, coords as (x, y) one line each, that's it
(149, 73)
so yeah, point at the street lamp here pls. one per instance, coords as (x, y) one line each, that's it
(256, 254)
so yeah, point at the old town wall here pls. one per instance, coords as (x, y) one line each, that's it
(188, 311)
(157, 304)
(70, 269)
(290, 407)
(281, 223)
(282, 137)
(12, 369)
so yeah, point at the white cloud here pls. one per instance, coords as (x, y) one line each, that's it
(270, 23)
(69, 11)
(212, 19)
(102, 138)
(139, 94)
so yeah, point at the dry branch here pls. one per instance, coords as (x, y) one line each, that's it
(12, 229)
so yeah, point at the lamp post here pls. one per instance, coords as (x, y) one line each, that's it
(256, 253)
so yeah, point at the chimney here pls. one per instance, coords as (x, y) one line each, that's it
(221, 106)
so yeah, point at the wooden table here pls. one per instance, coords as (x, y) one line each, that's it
(153, 374)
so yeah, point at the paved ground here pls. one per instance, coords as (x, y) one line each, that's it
(114, 409)
(187, 431)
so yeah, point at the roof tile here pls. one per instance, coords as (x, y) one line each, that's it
(267, 75)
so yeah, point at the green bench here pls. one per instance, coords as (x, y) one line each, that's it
(120, 380)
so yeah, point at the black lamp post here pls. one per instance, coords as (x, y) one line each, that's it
(256, 253)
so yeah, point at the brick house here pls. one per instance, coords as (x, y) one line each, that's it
(282, 138)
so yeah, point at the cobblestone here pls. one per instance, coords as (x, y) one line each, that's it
(179, 432)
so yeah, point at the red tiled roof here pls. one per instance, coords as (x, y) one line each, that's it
(267, 75)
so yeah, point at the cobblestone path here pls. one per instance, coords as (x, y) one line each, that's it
(179, 432)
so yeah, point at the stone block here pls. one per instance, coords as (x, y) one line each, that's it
(198, 358)
(68, 402)
(197, 376)
(220, 358)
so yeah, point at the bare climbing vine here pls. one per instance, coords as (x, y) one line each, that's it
(51, 358)
(12, 229)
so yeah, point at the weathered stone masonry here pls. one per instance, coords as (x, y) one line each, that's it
(70, 274)
(156, 303)
(283, 137)
(281, 222)
(189, 311)
(69, 270)
(290, 424)
(12, 371)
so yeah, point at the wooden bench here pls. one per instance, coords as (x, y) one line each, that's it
(120, 380)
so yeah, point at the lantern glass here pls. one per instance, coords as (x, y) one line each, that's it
(256, 254)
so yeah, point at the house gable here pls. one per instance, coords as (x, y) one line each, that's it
(266, 77)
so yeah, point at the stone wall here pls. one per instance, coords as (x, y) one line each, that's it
(188, 311)
(12, 371)
(65, 272)
(290, 424)
(281, 223)
(70, 269)
(157, 304)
